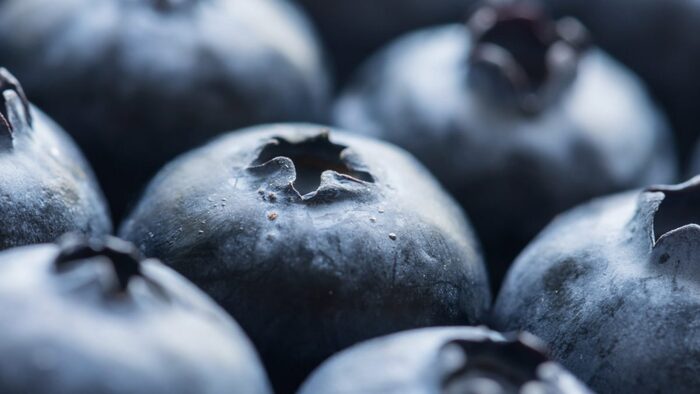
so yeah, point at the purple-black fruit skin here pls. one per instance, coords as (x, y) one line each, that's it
(382, 251)
(512, 172)
(660, 41)
(46, 186)
(443, 360)
(91, 317)
(612, 287)
(138, 82)
(353, 29)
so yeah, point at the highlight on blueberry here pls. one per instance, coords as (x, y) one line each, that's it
(656, 39)
(353, 29)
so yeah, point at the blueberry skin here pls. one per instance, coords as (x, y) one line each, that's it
(379, 247)
(139, 82)
(511, 171)
(443, 361)
(91, 317)
(611, 286)
(353, 29)
(46, 186)
(660, 41)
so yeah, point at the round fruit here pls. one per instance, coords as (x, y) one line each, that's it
(312, 241)
(612, 287)
(517, 116)
(459, 360)
(92, 317)
(138, 82)
(660, 40)
(46, 186)
(353, 29)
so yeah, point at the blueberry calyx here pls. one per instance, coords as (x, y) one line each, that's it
(509, 363)
(313, 167)
(521, 58)
(124, 258)
(15, 113)
(677, 211)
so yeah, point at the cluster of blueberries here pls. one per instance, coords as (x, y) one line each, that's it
(495, 208)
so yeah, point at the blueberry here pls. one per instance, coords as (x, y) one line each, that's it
(613, 287)
(138, 82)
(517, 115)
(90, 316)
(313, 240)
(457, 360)
(353, 29)
(46, 186)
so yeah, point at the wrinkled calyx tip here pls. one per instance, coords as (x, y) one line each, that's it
(14, 106)
(521, 57)
(311, 157)
(125, 259)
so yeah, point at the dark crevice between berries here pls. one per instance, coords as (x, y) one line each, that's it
(679, 208)
(8, 83)
(124, 258)
(311, 157)
(521, 57)
(474, 365)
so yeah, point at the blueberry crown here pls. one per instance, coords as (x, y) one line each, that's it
(309, 158)
(124, 258)
(521, 57)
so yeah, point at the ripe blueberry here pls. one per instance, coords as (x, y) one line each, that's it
(313, 240)
(93, 317)
(612, 287)
(46, 186)
(138, 82)
(517, 116)
(454, 360)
